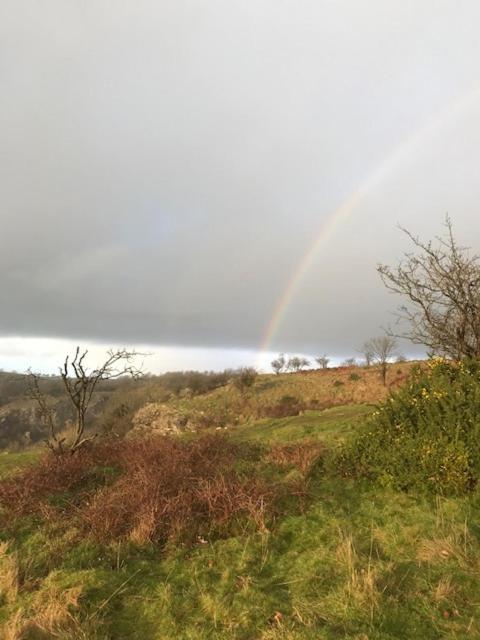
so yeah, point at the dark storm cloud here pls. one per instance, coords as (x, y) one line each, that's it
(165, 165)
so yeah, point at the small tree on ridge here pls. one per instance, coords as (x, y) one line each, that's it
(279, 364)
(382, 349)
(323, 361)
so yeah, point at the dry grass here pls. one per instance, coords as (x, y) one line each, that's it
(320, 389)
(360, 586)
(51, 616)
(444, 548)
(444, 589)
(50, 612)
(152, 490)
(9, 574)
(302, 455)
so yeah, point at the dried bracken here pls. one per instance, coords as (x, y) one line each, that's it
(152, 490)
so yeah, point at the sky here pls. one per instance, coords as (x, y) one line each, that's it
(215, 182)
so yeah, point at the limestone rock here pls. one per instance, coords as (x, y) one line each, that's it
(160, 419)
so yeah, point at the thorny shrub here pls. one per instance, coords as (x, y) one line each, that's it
(151, 490)
(427, 434)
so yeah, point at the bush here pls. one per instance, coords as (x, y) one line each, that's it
(287, 406)
(195, 381)
(151, 490)
(302, 455)
(245, 378)
(426, 435)
(354, 377)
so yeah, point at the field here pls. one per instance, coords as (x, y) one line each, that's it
(348, 560)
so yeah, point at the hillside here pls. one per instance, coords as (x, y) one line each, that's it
(270, 396)
(340, 559)
(197, 399)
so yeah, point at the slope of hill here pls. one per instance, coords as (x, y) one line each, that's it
(342, 559)
(274, 396)
(192, 399)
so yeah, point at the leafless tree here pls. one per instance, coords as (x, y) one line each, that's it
(296, 363)
(46, 412)
(367, 353)
(441, 283)
(349, 362)
(279, 364)
(323, 361)
(80, 383)
(382, 349)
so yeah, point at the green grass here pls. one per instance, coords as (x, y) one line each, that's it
(360, 562)
(12, 462)
(330, 426)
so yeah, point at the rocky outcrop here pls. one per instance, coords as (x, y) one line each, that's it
(20, 424)
(160, 419)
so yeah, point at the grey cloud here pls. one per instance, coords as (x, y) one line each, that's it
(165, 165)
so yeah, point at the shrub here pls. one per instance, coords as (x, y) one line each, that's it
(287, 406)
(151, 490)
(197, 382)
(245, 378)
(30, 490)
(302, 455)
(354, 377)
(427, 434)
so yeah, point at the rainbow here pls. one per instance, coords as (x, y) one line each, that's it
(343, 212)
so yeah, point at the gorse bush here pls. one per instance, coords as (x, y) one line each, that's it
(427, 434)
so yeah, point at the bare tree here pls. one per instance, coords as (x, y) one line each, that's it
(323, 361)
(349, 362)
(442, 286)
(367, 353)
(245, 378)
(382, 349)
(296, 363)
(79, 384)
(279, 364)
(46, 412)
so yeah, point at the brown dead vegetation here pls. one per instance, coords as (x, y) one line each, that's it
(302, 455)
(154, 490)
(171, 489)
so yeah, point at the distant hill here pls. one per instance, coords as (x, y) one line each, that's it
(272, 396)
(190, 399)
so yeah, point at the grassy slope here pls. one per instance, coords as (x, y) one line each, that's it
(360, 562)
(316, 389)
(330, 426)
(11, 462)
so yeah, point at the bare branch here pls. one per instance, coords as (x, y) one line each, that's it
(381, 350)
(80, 384)
(442, 286)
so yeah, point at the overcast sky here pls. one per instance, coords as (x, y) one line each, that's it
(165, 166)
